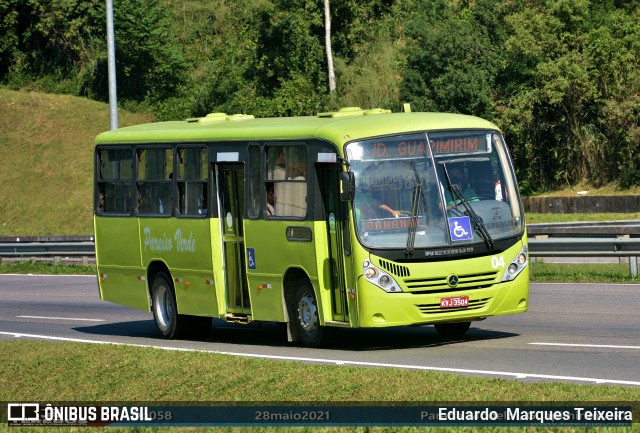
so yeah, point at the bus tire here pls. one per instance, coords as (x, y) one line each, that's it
(452, 329)
(306, 316)
(168, 322)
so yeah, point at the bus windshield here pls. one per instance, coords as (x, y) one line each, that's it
(434, 190)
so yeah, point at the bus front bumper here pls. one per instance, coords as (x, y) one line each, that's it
(377, 308)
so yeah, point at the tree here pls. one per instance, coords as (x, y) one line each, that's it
(569, 73)
(55, 38)
(451, 64)
(9, 39)
(149, 64)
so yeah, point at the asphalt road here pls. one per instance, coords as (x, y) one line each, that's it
(586, 333)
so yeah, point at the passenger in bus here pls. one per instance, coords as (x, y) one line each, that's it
(143, 205)
(271, 200)
(298, 170)
(279, 171)
(456, 176)
(101, 201)
(202, 204)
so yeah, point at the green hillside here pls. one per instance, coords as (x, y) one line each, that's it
(560, 78)
(46, 145)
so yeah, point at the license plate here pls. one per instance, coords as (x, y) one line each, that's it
(454, 302)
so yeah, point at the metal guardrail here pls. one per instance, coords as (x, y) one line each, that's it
(587, 239)
(580, 239)
(49, 248)
(586, 229)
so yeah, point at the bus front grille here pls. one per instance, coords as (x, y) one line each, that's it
(440, 284)
(395, 269)
(436, 309)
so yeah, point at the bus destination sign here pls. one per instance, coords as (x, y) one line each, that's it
(416, 146)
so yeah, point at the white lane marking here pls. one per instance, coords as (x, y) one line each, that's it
(62, 318)
(344, 362)
(542, 283)
(604, 346)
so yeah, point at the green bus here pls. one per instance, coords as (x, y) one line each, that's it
(353, 218)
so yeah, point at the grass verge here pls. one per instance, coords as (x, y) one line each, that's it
(45, 268)
(539, 218)
(57, 372)
(581, 272)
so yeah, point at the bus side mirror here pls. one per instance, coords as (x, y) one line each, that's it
(347, 186)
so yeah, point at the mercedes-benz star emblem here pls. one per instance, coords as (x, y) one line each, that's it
(453, 280)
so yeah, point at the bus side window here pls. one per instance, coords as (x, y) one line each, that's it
(114, 181)
(253, 187)
(193, 163)
(287, 169)
(154, 181)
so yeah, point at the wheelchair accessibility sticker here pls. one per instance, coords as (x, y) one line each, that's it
(251, 256)
(460, 229)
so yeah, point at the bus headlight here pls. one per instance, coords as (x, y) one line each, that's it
(516, 266)
(380, 278)
(370, 273)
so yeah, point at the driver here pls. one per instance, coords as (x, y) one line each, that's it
(456, 175)
(368, 207)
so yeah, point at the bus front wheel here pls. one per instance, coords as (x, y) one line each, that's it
(165, 309)
(306, 316)
(452, 329)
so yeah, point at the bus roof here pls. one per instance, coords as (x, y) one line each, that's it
(338, 127)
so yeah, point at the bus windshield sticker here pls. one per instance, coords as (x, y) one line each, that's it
(332, 222)
(460, 229)
(229, 220)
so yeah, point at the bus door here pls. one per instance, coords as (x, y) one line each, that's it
(231, 209)
(336, 222)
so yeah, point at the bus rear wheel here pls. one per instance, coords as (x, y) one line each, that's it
(452, 329)
(168, 322)
(306, 316)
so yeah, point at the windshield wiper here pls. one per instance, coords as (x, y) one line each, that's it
(475, 218)
(415, 208)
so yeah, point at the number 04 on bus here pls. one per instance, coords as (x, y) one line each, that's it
(354, 218)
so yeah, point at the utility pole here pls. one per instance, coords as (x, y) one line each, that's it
(327, 41)
(111, 64)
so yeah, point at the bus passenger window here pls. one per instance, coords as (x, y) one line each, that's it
(114, 181)
(287, 170)
(154, 181)
(254, 186)
(193, 166)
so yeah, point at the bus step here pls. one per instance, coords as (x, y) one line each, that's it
(237, 318)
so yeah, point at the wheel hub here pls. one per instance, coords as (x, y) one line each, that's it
(308, 313)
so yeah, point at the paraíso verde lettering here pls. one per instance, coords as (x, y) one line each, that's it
(165, 243)
(183, 244)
